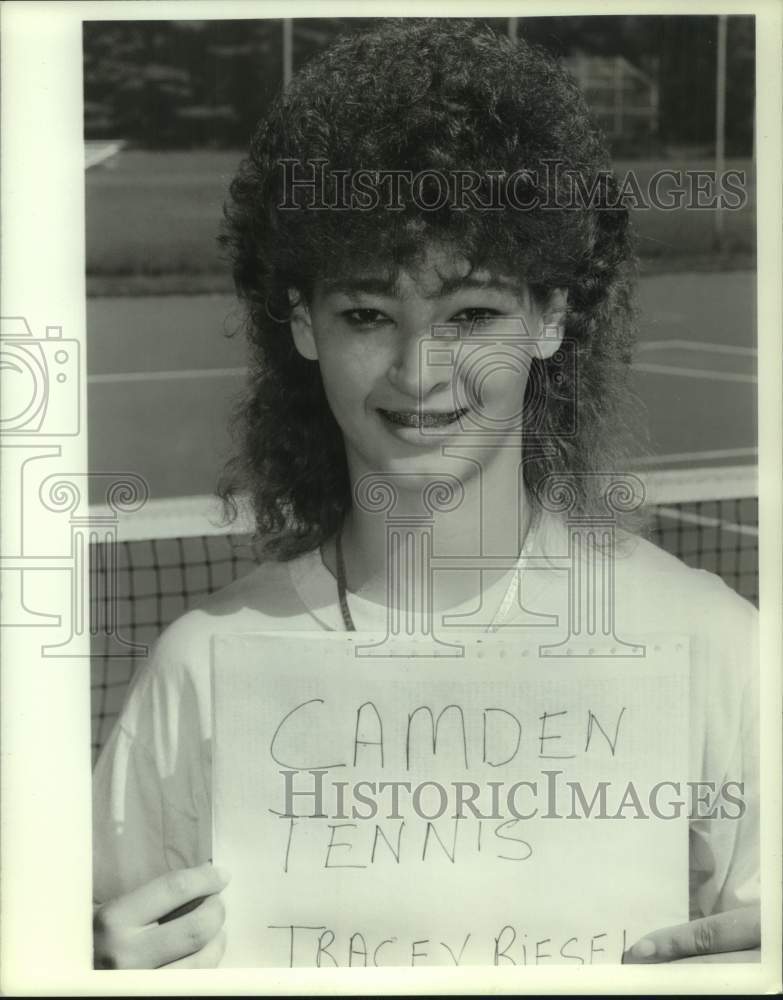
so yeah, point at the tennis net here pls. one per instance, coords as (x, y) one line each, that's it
(172, 554)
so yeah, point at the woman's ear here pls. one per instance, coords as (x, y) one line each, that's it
(553, 320)
(302, 326)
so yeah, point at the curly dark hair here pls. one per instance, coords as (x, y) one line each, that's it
(418, 94)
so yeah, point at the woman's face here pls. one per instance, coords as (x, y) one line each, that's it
(440, 358)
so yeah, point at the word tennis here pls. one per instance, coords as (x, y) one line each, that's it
(415, 783)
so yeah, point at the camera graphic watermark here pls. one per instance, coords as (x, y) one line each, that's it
(51, 528)
(500, 348)
(464, 359)
(41, 381)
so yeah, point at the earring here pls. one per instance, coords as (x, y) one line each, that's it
(271, 315)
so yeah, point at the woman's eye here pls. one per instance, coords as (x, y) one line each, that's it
(363, 318)
(478, 317)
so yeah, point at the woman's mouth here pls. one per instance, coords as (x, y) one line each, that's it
(416, 418)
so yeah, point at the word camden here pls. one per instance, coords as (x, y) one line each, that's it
(434, 744)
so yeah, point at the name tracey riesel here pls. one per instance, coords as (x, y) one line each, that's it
(320, 946)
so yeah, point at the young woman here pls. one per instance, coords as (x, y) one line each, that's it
(438, 279)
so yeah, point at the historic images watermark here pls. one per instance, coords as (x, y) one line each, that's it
(314, 185)
(308, 795)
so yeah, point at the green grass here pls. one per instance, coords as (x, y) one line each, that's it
(153, 218)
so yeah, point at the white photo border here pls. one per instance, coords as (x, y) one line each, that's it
(46, 945)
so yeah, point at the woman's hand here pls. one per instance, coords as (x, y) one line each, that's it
(132, 932)
(732, 936)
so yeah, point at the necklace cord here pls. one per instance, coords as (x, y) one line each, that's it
(341, 584)
(500, 615)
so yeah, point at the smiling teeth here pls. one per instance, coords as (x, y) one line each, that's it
(413, 419)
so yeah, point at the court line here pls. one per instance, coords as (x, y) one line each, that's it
(112, 378)
(707, 522)
(704, 373)
(192, 516)
(192, 373)
(694, 456)
(658, 345)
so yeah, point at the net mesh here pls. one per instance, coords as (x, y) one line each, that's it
(157, 580)
(160, 578)
(717, 535)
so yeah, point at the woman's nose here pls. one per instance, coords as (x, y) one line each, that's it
(422, 363)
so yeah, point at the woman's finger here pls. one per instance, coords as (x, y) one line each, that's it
(208, 958)
(750, 955)
(162, 944)
(154, 900)
(734, 930)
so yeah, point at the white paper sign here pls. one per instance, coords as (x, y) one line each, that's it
(495, 809)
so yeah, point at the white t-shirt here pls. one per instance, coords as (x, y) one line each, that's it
(152, 798)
